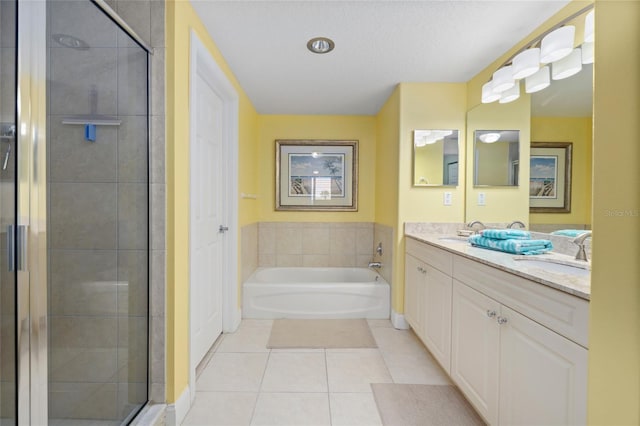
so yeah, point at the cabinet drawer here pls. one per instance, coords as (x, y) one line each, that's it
(565, 314)
(439, 259)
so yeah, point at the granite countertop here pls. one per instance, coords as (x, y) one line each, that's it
(574, 284)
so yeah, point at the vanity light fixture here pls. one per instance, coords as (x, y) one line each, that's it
(553, 48)
(526, 63)
(589, 28)
(557, 44)
(488, 95)
(587, 53)
(320, 45)
(489, 137)
(511, 94)
(538, 81)
(567, 66)
(503, 79)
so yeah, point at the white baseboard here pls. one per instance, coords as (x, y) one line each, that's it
(177, 411)
(398, 321)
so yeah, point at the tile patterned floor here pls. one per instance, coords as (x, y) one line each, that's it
(244, 383)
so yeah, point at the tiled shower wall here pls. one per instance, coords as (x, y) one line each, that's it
(92, 243)
(346, 244)
(147, 18)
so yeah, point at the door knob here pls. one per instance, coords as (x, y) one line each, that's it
(223, 229)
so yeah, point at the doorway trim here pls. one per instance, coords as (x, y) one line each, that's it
(201, 59)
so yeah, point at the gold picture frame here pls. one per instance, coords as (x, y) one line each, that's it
(316, 175)
(550, 177)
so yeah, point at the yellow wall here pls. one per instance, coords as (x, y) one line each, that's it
(430, 106)
(347, 127)
(579, 131)
(417, 106)
(614, 340)
(180, 20)
(387, 165)
(503, 204)
(429, 164)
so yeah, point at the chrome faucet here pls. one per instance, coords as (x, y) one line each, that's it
(376, 265)
(471, 224)
(516, 222)
(579, 240)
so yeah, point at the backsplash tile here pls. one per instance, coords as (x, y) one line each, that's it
(318, 244)
(248, 250)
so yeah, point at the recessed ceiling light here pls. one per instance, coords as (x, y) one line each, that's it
(320, 45)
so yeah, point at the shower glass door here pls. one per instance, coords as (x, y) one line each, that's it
(8, 386)
(97, 239)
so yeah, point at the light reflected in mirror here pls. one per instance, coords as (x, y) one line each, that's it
(496, 157)
(435, 157)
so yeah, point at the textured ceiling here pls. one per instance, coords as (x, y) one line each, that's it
(378, 45)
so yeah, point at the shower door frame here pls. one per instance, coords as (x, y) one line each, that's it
(30, 243)
(31, 215)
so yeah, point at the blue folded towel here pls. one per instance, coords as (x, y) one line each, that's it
(512, 246)
(506, 234)
(569, 232)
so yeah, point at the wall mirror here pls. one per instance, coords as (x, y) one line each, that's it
(496, 158)
(435, 157)
(563, 113)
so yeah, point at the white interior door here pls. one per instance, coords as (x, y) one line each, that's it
(206, 240)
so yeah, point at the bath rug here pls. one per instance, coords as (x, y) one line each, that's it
(320, 333)
(423, 405)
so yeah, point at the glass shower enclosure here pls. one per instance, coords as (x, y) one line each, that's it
(74, 215)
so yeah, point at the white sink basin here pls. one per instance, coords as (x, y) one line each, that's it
(555, 265)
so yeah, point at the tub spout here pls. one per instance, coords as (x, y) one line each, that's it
(376, 265)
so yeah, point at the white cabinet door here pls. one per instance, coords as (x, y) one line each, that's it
(414, 293)
(437, 315)
(543, 376)
(475, 343)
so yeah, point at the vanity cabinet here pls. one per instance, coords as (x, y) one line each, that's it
(475, 357)
(428, 291)
(512, 369)
(518, 349)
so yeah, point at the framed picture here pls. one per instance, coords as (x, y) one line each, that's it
(317, 175)
(550, 177)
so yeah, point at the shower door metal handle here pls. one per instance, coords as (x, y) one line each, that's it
(11, 247)
(22, 249)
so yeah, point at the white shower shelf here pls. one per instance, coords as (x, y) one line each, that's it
(98, 120)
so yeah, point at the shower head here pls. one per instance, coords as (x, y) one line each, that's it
(67, 40)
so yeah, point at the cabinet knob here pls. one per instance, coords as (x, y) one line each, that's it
(491, 314)
(501, 320)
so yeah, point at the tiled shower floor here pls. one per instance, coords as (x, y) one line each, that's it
(244, 383)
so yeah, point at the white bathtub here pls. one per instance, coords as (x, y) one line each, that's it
(316, 293)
